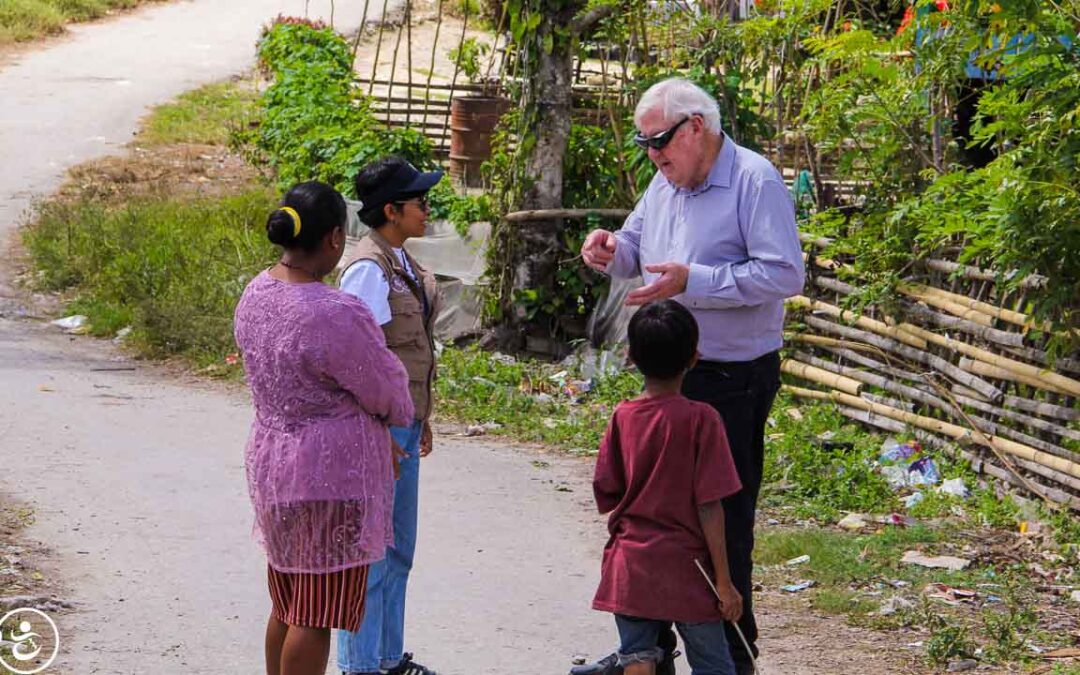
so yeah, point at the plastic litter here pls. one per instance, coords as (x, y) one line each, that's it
(853, 521)
(797, 561)
(954, 487)
(894, 604)
(913, 499)
(947, 562)
(795, 588)
(962, 666)
(948, 594)
(73, 322)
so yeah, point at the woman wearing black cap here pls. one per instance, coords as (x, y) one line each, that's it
(404, 299)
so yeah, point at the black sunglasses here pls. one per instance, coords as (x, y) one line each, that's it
(660, 140)
(422, 202)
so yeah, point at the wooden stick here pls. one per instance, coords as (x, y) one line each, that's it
(1045, 378)
(994, 372)
(942, 427)
(864, 322)
(936, 362)
(548, 214)
(949, 306)
(813, 374)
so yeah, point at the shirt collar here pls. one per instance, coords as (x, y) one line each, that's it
(721, 170)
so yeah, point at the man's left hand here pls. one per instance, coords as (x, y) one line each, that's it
(672, 282)
(426, 440)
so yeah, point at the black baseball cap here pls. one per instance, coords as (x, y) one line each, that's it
(404, 183)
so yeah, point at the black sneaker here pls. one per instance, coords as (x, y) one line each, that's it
(409, 667)
(609, 665)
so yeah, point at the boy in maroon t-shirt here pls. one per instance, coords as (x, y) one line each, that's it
(663, 468)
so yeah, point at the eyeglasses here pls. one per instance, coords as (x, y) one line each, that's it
(660, 140)
(420, 202)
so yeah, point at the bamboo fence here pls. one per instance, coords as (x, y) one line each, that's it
(959, 364)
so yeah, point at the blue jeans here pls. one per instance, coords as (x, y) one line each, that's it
(380, 642)
(706, 644)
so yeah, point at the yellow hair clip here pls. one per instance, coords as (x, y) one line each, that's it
(295, 219)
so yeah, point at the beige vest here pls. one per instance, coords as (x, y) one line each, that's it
(408, 334)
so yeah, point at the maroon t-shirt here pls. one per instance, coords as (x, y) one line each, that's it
(660, 460)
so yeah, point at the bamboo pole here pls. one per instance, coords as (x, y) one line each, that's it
(1027, 420)
(864, 322)
(1039, 356)
(1001, 337)
(927, 293)
(378, 47)
(995, 372)
(822, 341)
(941, 427)
(1043, 376)
(976, 274)
(977, 463)
(949, 306)
(820, 376)
(873, 380)
(936, 362)
(393, 65)
(1027, 405)
(457, 69)
(548, 214)
(431, 66)
(360, 31)
(408, 61)
(855, 357)
(933, 401)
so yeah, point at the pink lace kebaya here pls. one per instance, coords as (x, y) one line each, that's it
(325, 389)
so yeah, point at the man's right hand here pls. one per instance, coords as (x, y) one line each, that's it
(599, 249)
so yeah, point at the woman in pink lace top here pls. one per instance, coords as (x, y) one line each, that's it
(319, 463)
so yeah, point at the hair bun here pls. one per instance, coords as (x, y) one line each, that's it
(280, 227)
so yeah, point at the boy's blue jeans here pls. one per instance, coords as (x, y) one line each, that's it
(706, 644)
(380, 642)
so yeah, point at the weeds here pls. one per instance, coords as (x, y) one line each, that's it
(206, 115)
(171, 269)
(22, 20)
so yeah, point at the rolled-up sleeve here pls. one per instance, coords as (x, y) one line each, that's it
(774, 267)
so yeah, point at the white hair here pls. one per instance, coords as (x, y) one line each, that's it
(677, 98)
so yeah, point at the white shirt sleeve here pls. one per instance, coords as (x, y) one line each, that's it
(365, 281)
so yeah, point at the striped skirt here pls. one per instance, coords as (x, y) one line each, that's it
(334, 600)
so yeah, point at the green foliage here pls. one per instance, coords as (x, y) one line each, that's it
(315, 123)
(822, 464)
(468, 57)
(209, 114)
(528, 399)
(947, 641)
(172, 269)
(22, 20)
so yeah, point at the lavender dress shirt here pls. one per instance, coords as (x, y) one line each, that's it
(737, 233)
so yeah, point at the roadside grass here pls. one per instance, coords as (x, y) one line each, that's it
(170, 268)
(207, 115)
(23, 20)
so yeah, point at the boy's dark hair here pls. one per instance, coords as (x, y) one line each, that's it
(320, 209)
(663, 339)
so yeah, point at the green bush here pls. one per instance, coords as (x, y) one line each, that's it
(172, 269)
(315, 123)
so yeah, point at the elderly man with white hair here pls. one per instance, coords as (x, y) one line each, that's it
(715, 230)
